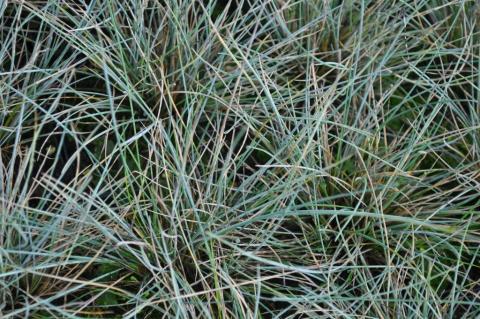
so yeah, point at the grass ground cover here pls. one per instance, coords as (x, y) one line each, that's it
(239, 159)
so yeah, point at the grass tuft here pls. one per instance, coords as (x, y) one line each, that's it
(239, 159)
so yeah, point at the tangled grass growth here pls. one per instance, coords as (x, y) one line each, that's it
(239, 159)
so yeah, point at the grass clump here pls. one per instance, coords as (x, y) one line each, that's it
(239, 159)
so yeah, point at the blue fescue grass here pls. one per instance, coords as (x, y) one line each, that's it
(250, 159)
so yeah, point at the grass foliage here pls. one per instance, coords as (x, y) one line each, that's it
(222, 159)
